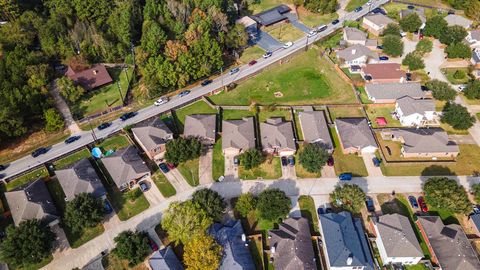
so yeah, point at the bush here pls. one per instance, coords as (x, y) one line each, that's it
(246, 203)
(180, 150)
(424, 46)
(411, 22)
(391, 29)
(313, 157)
(453, 34)
(211, 201)
(413, 61)
(392, 45)
(53, 120)
(348, 197)
(459, 74)
(131, 246)
(472, 91)
(444, 193)
(273, 204)
(441, 90)
(251, 158)
(134, 194)
(458, 50)
(83, 211)
(457, 116)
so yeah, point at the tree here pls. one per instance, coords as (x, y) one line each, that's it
(131, 246)
(313, 157)
(185, 220)
(53, 120)
(414, 61)
(453, 34)
(273, 204)
(348, 197)
(392, 45)
(183, 149)
(391, 29)
(441, 90)
(251, 158)
(29, 243)
(424, 46)
(476, 192)
(68, 89)
(459, 74)
(458, 50)
(246, 203)
(472, 91)
(212, 202)
(457, 116)
(444, 193)
(153, 37)
(202, 253)
(435, 26)
(83, 211)
(320, 6)
(237, 37)
(411, 22)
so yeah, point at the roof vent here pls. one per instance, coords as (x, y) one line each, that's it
(349, 260)
(244, 238)
(354, 51)
(95, 72)
(272, 250)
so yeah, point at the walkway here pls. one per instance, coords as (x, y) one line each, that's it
(63, 108)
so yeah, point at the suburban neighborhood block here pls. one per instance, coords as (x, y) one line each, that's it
(153, 138)
(277, 137)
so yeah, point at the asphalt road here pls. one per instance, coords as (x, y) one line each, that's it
(26, 163)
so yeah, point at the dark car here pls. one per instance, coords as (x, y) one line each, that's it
(383, 58)
(144, 186)
(104, 125)
(107, 208)
(72, 139)
(39, 151)
(368, 78)
(2, 167)
(320, 211)
(422, 204)
(413, 201)
(184, 93)
(358, 9)
(335, 21)
(284, 161)
(164, 167)
(236, 161)
(253, 62)
(345, 176)
(379, 10)
(410, 7)
(206, 82)
(376, 161)
(234, 70)
(370, 205)
(451, 11)
(291, 160)
(409, 76)
(152, 244)
(330, 161)
(127, 116)
(380, 47)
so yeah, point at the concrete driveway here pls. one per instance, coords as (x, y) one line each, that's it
(205, 167)
(288, 172)
(231, 171)
(371, 169)
(177, 180)
(328, 171)
(408, 47)
(434, 60)
(111, 221)
(153, 195)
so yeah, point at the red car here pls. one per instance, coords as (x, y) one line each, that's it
(423, 205)
(253, 62)
(152, 244)
(171, 166)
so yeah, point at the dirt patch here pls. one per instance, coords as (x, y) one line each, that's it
(278, 94)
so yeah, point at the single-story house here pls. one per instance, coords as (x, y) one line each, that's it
(202, 126)
(153, 138)
(454, 19)
(81, 177)
(390, 92)
(126, 167)
(420, 12)
(91, 78)
(354, 36)
(355, 135)
(448, 245)
(396, 241)
(473, 38)
(344, 242)
(384, 73)
(32, 202)
(277, 137)
(238, 135)
(356, 55)
(291, 245)
(315, 129)
(476, 58)
(422, 142)
(165, 259)
(376, 23)
(236, 254)
(272, 16)
(415, 112)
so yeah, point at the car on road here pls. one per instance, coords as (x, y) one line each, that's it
(253, 62)
(72, 139)
(358, 9)
(160, 101)
(107, 208)
(370, 205)
(144, 186)
(267, 55)
(413, 201)
(321, 28)
(311, 34)
(335, 21)
(345, 176)
(234, 70)
(410, 7)
(184, 93)
(376, 162)
(369, 3)
(171, 166)
(206, 82)
(152, 244)
(164, 167)
(287, 45)
(330, 161)
(380, 47)
(236, 161)
(39, 151)
(422, 204)
(128, 115)
(284, 161)
(2, 167)
(104, 125)
(291, 160)
(383, 58)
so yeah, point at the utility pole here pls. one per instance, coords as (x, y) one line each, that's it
(221, 76)
(132, 49)
(306, 44)
(94, 136)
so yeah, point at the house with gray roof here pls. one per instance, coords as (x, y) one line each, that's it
(355, 135)
(448, 245)
(272, 16)
(415, 112)
(396, 241)
(390, 92)
(475, 60)
(344, 242)
(95, 264)
(238, 135)
(236, 254)
(277, 137)
(201, 126)
(356, 55)
(164, 259)
(420, 12)
(315, 129)
(32, 202)
(473, 38)
(430, 142)
(454, 19)
(291, 245)
(153, 137)
(475, 222)
(81, 177)
(353, 36)
(126, 167)
(376, 23)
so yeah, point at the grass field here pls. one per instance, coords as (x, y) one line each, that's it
(285, 32)
(235, 114)
(162, 183)
(27, 178)
(112, 262)
(189, 170)
(308, 211)
(218, 162)
(449, 72)
(346, 163)
(199, 107)
(341, 112)
(264, 115)
(354, 4)
(114, 143)
(270, 169)
(376, 111)
(251, 53)
(305, 79)
(311, 19)
(68, 160)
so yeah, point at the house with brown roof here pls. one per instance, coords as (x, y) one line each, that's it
(238, 135)
(376, 23)
(277, 137)
(91, 78)
(153, 138)
(201, 126)
(384, 73)
(355, 136)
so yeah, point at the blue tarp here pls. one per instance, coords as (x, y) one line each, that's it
(96, 152)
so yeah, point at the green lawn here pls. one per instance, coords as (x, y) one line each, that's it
(342, 112)
(27, 178)
(311, 19)
(112, 262)
(270, 169)
(385, 111)
(235, 114)
(189, 170)
(264, 115)
(218, 162)
(416, 267)
(446, 216)
(284, 32)
(199, 107)
(100, 100)
(332, 41)
(449, 72)
(68, 160)
(126, 208)
(162, 183)
(260, 6)
(308, 211)
(346, 163)
(305, 79)
(251, 53)
(114, 143)
(300, 171)
(298, 127)
(354, 4)
(363, 95)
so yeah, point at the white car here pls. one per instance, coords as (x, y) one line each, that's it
(369, 3)
(461, 88)
(403, 34)
(311, 34)
(160, 101)
(287, 45)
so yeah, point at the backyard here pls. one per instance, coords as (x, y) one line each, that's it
(341, 112)
(199, 107)
(346, 163)
(162, 183)
(385, 111)
(266, 114)
(189, 170)
(305, 79)
(114, 143)
(270, 169)
(68, 160)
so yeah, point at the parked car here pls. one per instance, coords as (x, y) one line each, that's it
(107, 208)
(171, 166)
(2, 167)
(413, 201)
(476, 209)
(39, 151)
(345, 176)
(410, 7)
(160, 101)
(380, 47)
(320, 211)
(321, 28)
(284, 161)
(267, 55)
(234, 70)
(330, 161)
(236, 161)
(287, 45)
(422, 204)
(409, 76)
(127, 116)
(206, 82)
(335, 21)
(370, 205)
(376, 161)
(311, 34)
(461, 88)
(152, 244)
(369, 3)
(104, 125)
(403, 34)
(291, 160)
(164, 167)
(451, 11)
(253, 62)
(184, 93)
(368, 78)
(378, 10)
(358, 9)
(383, 58)
(72, 139)
(144, 186)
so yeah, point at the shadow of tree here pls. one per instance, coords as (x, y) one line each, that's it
(436, 170)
